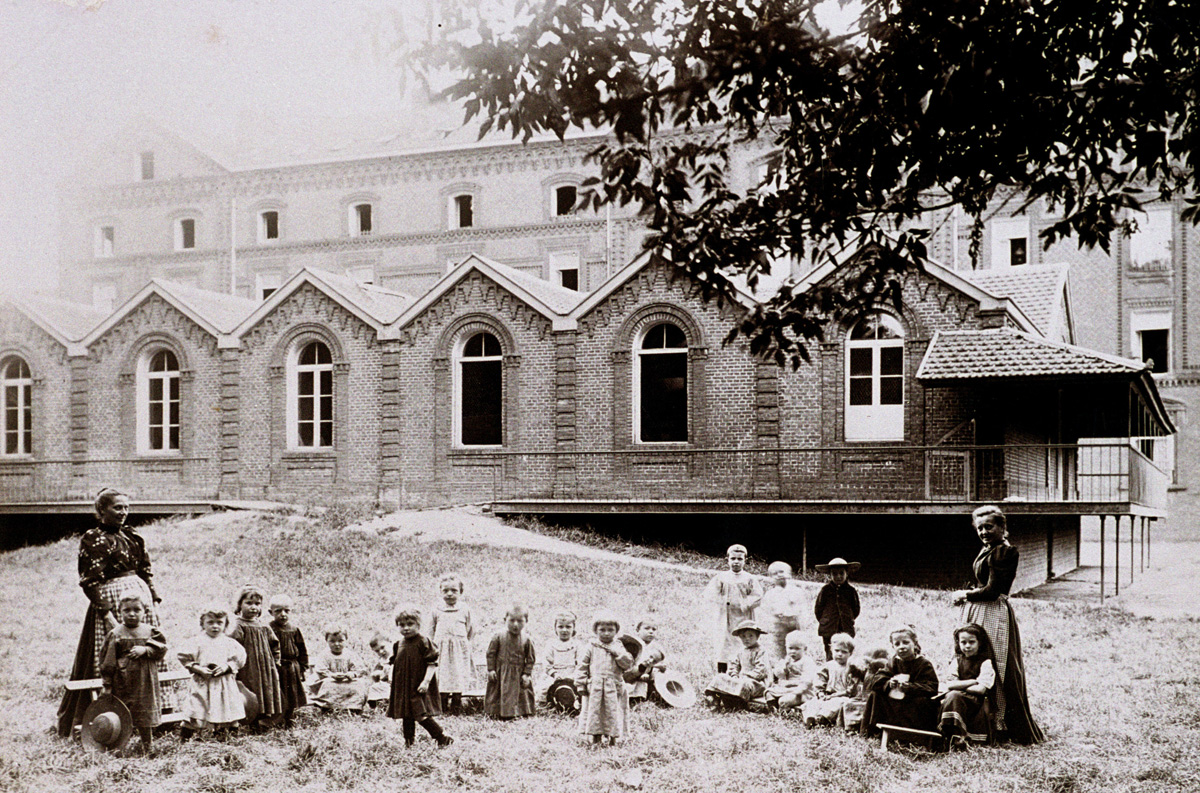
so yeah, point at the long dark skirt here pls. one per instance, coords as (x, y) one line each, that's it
(966, 715)
(917, 712)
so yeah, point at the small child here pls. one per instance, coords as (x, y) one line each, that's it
(414, 699)
(562, 658)
(837, 603)
(780, 609)
(902, 694)
(340, 684)
(260, 673)
(129, 666)
(971, 688)
(452, 631)
(837, 683)
(599, 678)
(510, 660)
(748, 673)
(293, 656)
(736, 594)
(214, 660)
(876, 663)
(381, 673)
(794, 675)
(641, 676)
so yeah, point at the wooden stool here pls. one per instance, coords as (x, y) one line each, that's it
(94, 684)
(930, 740)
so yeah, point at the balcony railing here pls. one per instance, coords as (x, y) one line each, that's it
(1037, 473)
(144, 478)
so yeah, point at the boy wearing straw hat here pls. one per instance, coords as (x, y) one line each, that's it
(837, 604)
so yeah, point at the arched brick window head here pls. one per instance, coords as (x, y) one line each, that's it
(16, 406)
(159, 403)
(662, 387)
(313, 377)
(480, 394)
(875, 379)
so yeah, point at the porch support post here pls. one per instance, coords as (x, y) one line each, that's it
(804, 548)
(1149, 529)
(1117, 557)
(1131, 532)
(1103, 521)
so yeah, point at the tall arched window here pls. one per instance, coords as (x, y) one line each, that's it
(310, 419)
(875, 380)
(158, 402)
(661, 396)
(479, 392)
(16, 401)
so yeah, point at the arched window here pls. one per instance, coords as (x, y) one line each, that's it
(479, 392)
(16, 392)
(661, 387)
(310, 403)
(875, 380)
(158, 402)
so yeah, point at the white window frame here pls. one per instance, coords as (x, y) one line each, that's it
(1153, 319)
(638, 354)
(144, 378)
(1152, 246)
(457, 385)
(453, 215)
(1004, 231)
(875, 422)
(263, 239)
(294, 370)
(562, 261)
(179, 235)
(23, 383)
(104, 241)
(354, 219)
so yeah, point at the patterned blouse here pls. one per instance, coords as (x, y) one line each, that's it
(107, 552)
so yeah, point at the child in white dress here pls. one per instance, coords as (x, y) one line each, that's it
(452, 630)
(562, 657)
(213, 658)
(341, 683)
(736, 594)
(794, 675)
(600, 680)
(838, 683)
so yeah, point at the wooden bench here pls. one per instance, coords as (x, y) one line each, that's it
(931, 740)
(94, 684)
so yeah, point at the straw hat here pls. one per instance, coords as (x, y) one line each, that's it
(107, 724)
(838, 561)
(747, 625)
(632, 644)
(674, 689)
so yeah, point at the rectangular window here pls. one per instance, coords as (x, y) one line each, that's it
(564, 200)
(663, 407)
(265, 284)
(362, 214)
(185, 234)
(1010, 242)
(147, 162)
(268, 225)
(105, 236)
(1156, 348)
(462, 211)
(564, 269)
(1150, 338)
(1150, 245)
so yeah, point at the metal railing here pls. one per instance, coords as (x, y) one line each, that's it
(144, 478)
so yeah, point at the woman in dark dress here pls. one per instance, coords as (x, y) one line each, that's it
(987, 605)
(113, 564)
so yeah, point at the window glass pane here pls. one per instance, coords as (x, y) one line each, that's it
(270, 225)
(664, 398)
(464, 211)
(174, 438)
(306, 434)
(156, 389)
(305, 384)
(482, 396)
(308, 355)
(187, 233)
(327, 433)
(326, 407)
(156, 414)
(174, 381)
(322, 353)
(326, 382)
(664, 336)
(860, 391)
(570, 279)
(891, 360)
(1018, 251)
(891, 390)
(860, 361)
(364, 218)
(173, 413)
(10, 443)
(304, 408)
(156, 437)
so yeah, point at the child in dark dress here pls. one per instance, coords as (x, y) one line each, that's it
(415, 697)
(261, 672)
(129, 666)
(970, 691)
(837, 605)
(902, 694)
(293, 657)
(510, 660)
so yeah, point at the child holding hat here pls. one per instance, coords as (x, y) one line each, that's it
(748, 672)
(837, 604)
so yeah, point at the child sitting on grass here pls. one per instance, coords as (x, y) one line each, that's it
(562, 657)
(641, 676)
(748, 672)
(214, 660)
(414, 698)
(129, 666)
(875, 663)
(340, 684)
(837, 684)
(794, 675)
(293, 656)
(452, 631)
(971, 688)
(902, 694)
(261, 671)
(510, 660)
(600, 678)
(736, 594)
(381, 673)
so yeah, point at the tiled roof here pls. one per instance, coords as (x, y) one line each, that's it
(558, 299)
(1037, 290)
(981, 354)
(70, 320)
(383, 305)
(224, 311)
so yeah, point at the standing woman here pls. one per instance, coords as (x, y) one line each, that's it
(113, 564)
(988, 606)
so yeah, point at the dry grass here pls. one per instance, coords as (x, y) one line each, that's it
(1118, 696)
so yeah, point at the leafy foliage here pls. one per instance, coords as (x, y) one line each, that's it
(926, 105)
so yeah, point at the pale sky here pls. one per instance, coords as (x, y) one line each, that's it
(73, 72)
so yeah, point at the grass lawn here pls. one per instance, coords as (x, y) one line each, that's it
(1118, 697)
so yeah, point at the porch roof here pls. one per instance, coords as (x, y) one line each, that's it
(1003, 352)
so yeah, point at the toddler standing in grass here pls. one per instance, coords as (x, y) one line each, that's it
(293, 656)
(837, 683)
(129, 666)
(414, 698)
(780, 610)
(381, 672)
(452, 632)
(510, 660)
(600, 678)
(260, 674)
(794, 675)
(214, 660)
(340, 683)
(736, 594)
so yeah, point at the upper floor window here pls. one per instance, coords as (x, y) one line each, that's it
(661, 386)
(185, 234)
(462, 211)
(1150, 245)
(875, 380)
(16, 406)
(310, 403)
(1150, 339)
(147, 165)
(1010, 242)
(565, 198)
(362, 221)
(265, 284)
(158, 402)
(479, 391)
(564, 269)
(268, 225)
(103, 243)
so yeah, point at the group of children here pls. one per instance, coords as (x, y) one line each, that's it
(899, 688)
(245, 670)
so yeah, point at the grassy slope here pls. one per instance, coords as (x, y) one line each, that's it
(1120, 698)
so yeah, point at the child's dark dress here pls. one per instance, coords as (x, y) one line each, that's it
(260, 674)
(134, 681)
(965, 713)
(410, 658)
(293, 660)
(917, 710)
